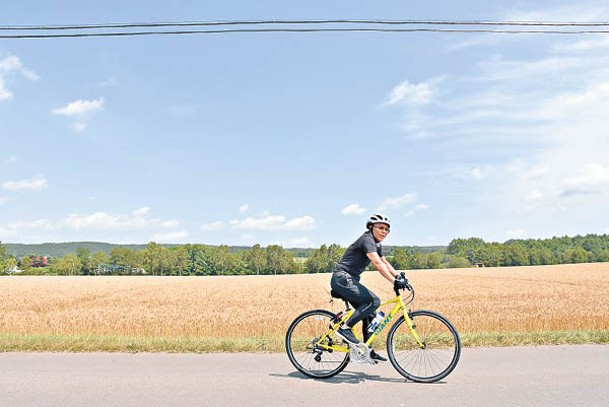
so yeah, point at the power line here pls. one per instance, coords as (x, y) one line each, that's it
(297, 30)
(290, 22)
(524, 27)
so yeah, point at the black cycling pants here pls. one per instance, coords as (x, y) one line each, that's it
(361, 298)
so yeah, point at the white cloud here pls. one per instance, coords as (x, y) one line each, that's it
(353, 209)
(591, 175)
(141, 211)
(2, 200)
(106, 221)
(14, 228)
(9, 65)
(302, 223)
(410, 93)
(5, 94)
(419, 207)
(478, 173)
(170, 237)
(398, 202)
(101, 221)
(88, 224)
(34, 184)
(534, 196)
(268, 222)
(81, 110)
(244, 208)
(552, 116)
(169, 224)
(210, 227)
(80, 107)
(536, 125)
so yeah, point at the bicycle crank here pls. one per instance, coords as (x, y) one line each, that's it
(360, 353)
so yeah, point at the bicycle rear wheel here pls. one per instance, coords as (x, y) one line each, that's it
(438, 356)
(304, 352)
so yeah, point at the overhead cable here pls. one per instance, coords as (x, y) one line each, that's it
(125, 29)
(291, 22)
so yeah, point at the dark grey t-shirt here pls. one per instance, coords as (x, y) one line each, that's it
(355, 260)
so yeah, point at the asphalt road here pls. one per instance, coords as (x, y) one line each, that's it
(521, 376)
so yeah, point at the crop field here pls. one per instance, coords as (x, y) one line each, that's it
(489, 307)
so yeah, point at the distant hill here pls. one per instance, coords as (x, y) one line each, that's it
(61, 249)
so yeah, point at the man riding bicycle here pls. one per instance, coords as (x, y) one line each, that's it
(346, 278)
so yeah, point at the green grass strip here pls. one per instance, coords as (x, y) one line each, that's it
(478, 339)
(134, 344)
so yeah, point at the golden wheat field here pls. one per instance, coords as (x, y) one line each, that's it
(516, 299)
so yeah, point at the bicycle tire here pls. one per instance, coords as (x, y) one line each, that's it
(300, 344)
(433, 362)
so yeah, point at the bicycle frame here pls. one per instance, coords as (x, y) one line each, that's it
(399, 306)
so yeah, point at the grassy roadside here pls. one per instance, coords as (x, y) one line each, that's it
(96, 343)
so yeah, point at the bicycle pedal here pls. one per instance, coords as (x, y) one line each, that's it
(360, 353)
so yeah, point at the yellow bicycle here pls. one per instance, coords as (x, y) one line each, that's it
(422, 345)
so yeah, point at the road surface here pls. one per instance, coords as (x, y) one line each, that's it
(520, 376)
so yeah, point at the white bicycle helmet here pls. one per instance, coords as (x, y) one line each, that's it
(377, 218)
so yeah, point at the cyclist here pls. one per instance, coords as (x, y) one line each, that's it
(346, 278)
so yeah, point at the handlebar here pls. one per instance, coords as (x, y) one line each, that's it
(408, 286)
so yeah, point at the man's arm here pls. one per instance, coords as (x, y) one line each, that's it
(391, 269)
(383, 266)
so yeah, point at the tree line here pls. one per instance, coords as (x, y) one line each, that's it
(204, 260)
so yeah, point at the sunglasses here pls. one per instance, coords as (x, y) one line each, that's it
(383, 228)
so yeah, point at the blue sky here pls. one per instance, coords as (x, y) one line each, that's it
(294, 139)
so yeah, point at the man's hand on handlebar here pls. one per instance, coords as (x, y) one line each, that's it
(401, 282)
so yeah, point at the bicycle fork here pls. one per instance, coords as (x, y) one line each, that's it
(412, 328)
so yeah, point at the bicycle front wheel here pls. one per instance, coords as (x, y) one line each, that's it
(304, 350)
(435, 358)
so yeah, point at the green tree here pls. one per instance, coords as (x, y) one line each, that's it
(470, 248)
(178, 257)
(399, 261)
(97, 259)
(279, 261)
(3, 257)
(224, 261)
(602, 256)
(84, 255)
(25, 264)
(324, 259)
(416, 261)
(68, 265)
(200, 260)
(255, 259)
(158, 259)
(433, 260)
(125, 259)
(8, 264)
(516, 255)
(576, 255)
(457, 262)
